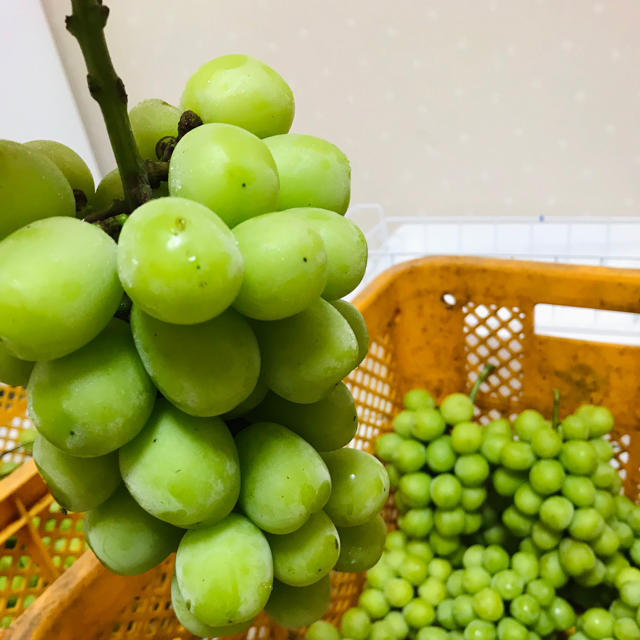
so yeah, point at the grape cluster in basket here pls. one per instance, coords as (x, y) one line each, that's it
(510, 531)
(186, 380)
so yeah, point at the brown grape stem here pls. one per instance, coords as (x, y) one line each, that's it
(487, 370)
(86, 23)
(555, 415)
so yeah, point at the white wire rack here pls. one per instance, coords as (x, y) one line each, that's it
(612, 241)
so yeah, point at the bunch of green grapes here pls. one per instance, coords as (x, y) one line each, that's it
(212, 420)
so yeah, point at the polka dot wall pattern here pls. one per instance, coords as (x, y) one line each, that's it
(462, 107)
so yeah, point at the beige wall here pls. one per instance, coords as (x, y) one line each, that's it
(444, 106)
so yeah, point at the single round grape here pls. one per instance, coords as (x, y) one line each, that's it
(345, 245)
(420, 549)
(517, 456)
(306, 355)
(284, 480)
(496, 534)
(440, 568)
(607, 543)
(457, 407)
(545, 537)
(598, 419)
(630, 593)
(472, 469)
(633, 519)
(126, 539)
(480, 630)
(604, 449)
(428, 424)
(108, 190)
(475, 579)
(415, 488)
(360, 486)
(227, 169)
(525, 565)
(525, 609)
(527, 500)
(527, 423)
(13, 371)
(386, 444)
(151, 120)
(295, 607)
(624, 533)
(172, 454)
(619, 609)
(72, 166)
(418, 613)
(416, 523)
(313, 172)
(488, 604)
(404, 422)
(545, 625)
(414, 569)
(586, 524)
(435, 633)
(355, 624)
(556, 512)
(511, 629)
(446, 491)
(546, 477)
(626, 629)
(578, 457)
(593, 576)
(546, 443)
(323, 630)
(449, 522)
(379, 574)
(381, 630)
(358, 325)
(60, 287)
(444, 545)
(204, 369)
(597, 623)
(507, 481)
(410, 456)
(178, 261)
(542, 590)
(394, 558)
(395, 540)
(574, 428)
(31, 187)
(432, 590)
(328, 424)
(579, 489)
(398, 592)
(473, 556)
(243, 91)
(444, 614)
(604, 476)
(614, 566)
(440, 454)
(394, 479)
(417, 399)
(552, 571)
(562, 614)
(192, 624)
(225, 572)
(492, 446)
(95, 399)
(604, 504)
(473, 498)
(361, 546)
(508, 584)
(77, 484)
(495, 559)
(466, 437)
(576, 557)
(498, 427)
(624, 507)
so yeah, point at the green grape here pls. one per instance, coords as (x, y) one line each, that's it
(607, 543)
(598, 419)
(556, 512)
(624, 533)
(380, 630)
(578, 457)
(624, 507)
(488, 604)
(545, 537)
(386, 445)
(604, 504)
(498, 427)
(225, 572)
(510, 629)
(432, 590)
(576, 557)
(204, 369)
(496, 534)
(626, 629)
(473, 498)
(361, 546)
(492, 446)
(126, 539)
(546, 477)
(587, 524)
(152, 120)
(420, 549)
(633, 520)
(619, 609)
(305, 355)
(472, 469)
(95, 399)
(395, 540)
(525, 609)
(355, 624)
(178, 261)
(173, 454)
(410, 456)
(379, 574)
(473, 556)
(31, 187)
(475, 579)
(243, 91)
(248, 404)
(357, 323)
(440, 568)
(428, 424)
(295, 607)
(472, 523)
(527, 500)
(374, 603)
(416, 523)
(436, 633)
(466, 437)
(551, 570)
(13, 371)
(108, 190)
(403, 423)
(417, 399)
(284, 480)
(517, 456)
(457, 407)
(394, 480)
(597, 623)
(574, 428)
(444, 614)
(604, 449)
(546, 443)
(446, 491)
(580, 490)
(77, 484)
(72, 166)
(418, 613)
(614, 566)
(192, 624)
(449, 522)
(313, 172)
(604, 476)
(323, 630)
(359, 486)
(542, 590)
(463, 612)
(328, 424)
(495, 559)
(593, 576)
(60, 287)
(440, 454)
(415, 488)
(507, 481)
(396, 624)
(525, 565)
(227, 169)
(562, 614)
(285, 266)
(527, 424)
(508, 584)
(480, 630)
(394, 558)
(345, 245)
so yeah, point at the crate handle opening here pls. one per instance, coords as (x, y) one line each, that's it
(593, 325)
(448, 299)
